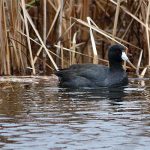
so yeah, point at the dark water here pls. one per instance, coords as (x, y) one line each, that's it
(36, 114)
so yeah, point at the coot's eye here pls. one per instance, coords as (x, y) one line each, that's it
(118, 51)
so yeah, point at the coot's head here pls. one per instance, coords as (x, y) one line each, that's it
(116, 54)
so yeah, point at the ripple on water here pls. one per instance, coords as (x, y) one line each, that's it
(34, 112)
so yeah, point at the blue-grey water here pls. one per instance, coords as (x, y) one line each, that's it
(36, 114)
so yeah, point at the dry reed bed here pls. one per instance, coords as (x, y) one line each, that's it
(39, 36)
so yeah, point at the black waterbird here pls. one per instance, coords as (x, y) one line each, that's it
(94, 75)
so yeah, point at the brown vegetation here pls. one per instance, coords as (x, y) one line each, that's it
(39, 36)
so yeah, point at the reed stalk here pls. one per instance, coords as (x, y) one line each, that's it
(95, 57)
(139, 62)
(147, 32)
(58, 33)
(44, 33)
(116, 18)
(28, 36)
(38, 35)
(60, 3)
(73, 59)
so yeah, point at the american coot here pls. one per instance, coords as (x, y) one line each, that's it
(93, 75)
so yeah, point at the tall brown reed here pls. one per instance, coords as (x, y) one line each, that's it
(37, 37)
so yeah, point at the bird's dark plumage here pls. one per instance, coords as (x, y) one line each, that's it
(93, 75)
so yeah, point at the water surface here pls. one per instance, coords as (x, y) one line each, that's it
(36, 114)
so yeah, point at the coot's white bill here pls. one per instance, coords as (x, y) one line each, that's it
(124, 56)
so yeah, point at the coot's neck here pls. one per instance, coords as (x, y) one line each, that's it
(114, 66)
